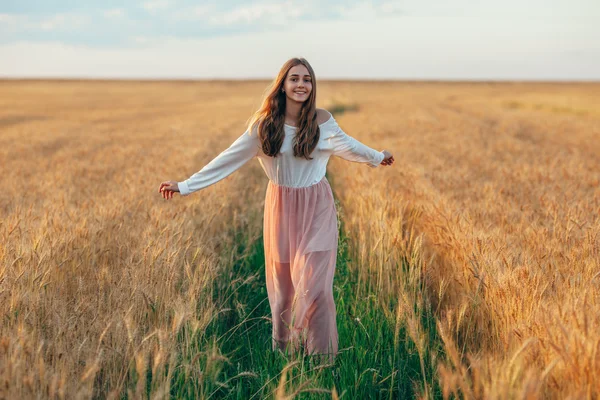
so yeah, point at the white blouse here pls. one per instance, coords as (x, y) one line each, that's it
(285, 169)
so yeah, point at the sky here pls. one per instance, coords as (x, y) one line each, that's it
(227, 39)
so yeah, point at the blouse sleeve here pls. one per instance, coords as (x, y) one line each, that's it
(350, 149)
(231, 159)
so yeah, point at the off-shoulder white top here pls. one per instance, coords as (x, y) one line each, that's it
(285, 169)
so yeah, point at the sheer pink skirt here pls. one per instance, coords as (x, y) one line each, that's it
(300, 239)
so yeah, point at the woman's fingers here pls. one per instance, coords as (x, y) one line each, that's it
(167, 189)
(164, 190)
(388, 161)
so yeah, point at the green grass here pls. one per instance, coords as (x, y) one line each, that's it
(237, 362)
(338, 108)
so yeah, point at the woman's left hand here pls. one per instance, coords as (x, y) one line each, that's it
(388, 158)
(168, 189)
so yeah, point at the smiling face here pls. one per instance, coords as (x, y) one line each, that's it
(298, 84)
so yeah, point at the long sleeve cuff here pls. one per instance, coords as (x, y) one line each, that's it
(184, 189)
(378, 160)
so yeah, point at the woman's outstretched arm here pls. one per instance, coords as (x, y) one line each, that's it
(231, 159)
(350, 149)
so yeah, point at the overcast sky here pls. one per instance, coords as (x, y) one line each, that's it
(412, 39)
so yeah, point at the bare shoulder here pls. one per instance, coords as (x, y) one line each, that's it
(322, 116)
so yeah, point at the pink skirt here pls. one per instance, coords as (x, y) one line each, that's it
(300, 239)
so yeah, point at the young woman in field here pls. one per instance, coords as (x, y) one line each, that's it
(293, 141)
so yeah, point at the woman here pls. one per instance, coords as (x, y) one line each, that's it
(293, 141)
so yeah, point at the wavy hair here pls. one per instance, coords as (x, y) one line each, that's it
(270, 117)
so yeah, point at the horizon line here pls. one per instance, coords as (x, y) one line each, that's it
(259, 79)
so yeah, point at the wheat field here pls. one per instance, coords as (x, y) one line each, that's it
(468, 269)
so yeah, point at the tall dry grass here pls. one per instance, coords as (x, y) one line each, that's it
(106, 289)
(480, 245)
(501, 184)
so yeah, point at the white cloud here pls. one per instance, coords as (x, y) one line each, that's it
(266, 12)
(114, 13)
(391, 7)
(367, 9)
(11, 18)
(64, 21)
(259, 13)
(13, 23)
(395, 47)
(194, 13)
(155, 5)
(140, 39)
(54, 22)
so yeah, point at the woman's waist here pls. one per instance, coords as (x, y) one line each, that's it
(295, 186)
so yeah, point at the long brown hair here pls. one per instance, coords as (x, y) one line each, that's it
(270, 117)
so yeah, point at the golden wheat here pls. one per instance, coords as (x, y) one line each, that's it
(506, 202)
(488, 221)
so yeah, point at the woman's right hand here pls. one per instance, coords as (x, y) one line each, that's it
(388, 159)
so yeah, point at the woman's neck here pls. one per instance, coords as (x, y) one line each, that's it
(292, 112)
